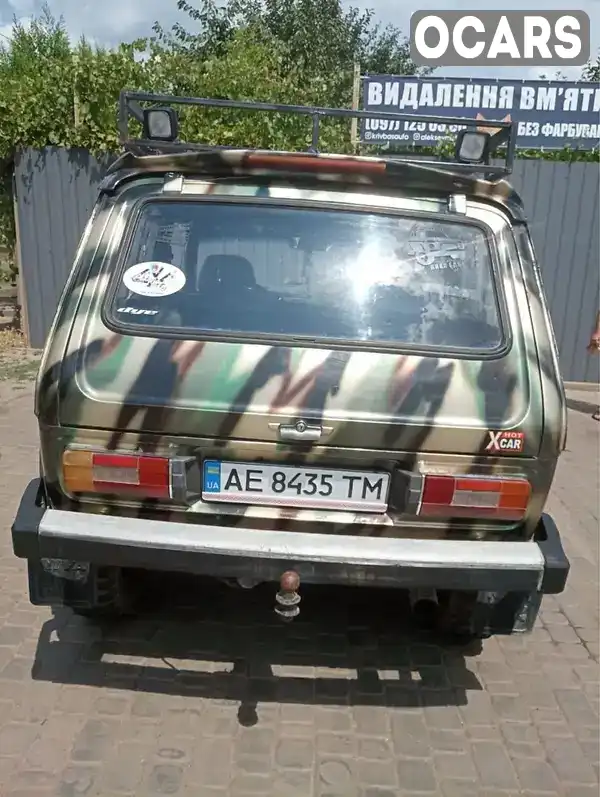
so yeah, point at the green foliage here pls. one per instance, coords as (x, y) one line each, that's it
(319, 39)
(256, 68)
(566, 154)
(56, 94)
(592, 70)
(289, 51)
(7, 230)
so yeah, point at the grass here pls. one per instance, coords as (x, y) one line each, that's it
(18, 363)
(11, 341)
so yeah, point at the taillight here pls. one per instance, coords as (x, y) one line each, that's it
(474, 497)
(121, 474)
(311, 163)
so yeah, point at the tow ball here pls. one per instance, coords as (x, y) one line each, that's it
(287, 599)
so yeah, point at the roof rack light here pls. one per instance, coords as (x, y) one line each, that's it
(472, 146)
(160, 124)
(476, 142)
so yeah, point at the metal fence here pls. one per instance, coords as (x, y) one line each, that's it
(56, 188)
(55, 191)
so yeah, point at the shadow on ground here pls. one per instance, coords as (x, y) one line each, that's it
(582, 406)
(347, 647)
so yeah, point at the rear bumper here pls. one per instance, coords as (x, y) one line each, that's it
(537, 566)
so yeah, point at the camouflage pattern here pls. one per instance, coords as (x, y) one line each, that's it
(106, 389)
(390, 173)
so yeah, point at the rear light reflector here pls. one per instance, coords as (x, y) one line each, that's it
(475, 497)
(122, 474)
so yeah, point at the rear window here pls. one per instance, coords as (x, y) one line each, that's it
(259, 270)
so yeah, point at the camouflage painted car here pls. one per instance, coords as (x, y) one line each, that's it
(271, 367)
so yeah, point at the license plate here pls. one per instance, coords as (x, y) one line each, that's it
(276, 485)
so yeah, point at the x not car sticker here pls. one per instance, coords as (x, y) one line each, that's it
(506, 442)
(154, 278)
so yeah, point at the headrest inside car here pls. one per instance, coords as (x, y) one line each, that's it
(226, 271)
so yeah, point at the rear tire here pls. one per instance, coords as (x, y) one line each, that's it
(456, 615)
(108, 596)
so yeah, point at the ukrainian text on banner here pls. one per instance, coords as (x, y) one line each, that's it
(549, 113)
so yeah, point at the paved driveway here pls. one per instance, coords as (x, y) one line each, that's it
(207, 695)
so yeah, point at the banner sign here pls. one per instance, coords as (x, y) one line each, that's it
(549, 114)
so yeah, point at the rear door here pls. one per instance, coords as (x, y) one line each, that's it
(363, 338)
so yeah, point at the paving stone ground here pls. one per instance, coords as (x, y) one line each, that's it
(205, 694)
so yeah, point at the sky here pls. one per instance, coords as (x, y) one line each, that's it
(111, 21)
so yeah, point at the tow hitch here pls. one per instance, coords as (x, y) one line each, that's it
(287, 599)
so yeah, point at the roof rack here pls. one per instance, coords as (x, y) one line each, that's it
(501, 133)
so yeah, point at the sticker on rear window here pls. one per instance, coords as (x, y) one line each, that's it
(510, 442)
(434, 248)
(437, 253)
(137, 311)
(154, 278)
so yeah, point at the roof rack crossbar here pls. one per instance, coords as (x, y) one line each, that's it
(502, 133)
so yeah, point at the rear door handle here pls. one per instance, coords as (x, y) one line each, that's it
(301, 432)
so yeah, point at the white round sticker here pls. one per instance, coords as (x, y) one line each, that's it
(154, 278)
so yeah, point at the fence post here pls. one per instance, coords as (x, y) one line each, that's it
(76, 107)
(355, 105)
(21, 288)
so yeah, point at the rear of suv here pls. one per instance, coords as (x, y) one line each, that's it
(299, 368)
